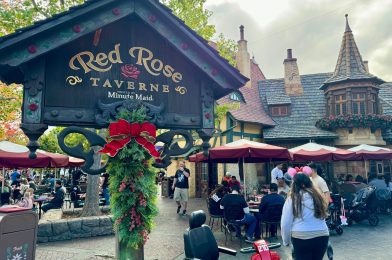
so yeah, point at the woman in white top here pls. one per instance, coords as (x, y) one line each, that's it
(303, 220)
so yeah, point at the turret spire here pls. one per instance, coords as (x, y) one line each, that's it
(348, 29)
(350, 65)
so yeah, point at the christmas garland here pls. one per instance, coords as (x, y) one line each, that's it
(132, 178)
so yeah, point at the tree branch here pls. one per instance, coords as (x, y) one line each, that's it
(38, 9)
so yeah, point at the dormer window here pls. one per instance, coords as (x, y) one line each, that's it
(279, 110)
(235, 96)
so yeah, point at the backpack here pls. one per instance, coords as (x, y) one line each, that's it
(383, 194)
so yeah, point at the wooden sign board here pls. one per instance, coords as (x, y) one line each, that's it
(126, 60)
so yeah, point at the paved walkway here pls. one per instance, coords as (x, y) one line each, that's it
(358, 242)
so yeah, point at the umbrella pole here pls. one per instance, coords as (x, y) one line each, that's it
(244, 169)
(366, 173)
(2, 182)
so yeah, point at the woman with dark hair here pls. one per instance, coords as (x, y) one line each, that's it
(215, 199)
(303, 219)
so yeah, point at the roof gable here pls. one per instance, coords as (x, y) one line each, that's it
(252, 111)
(45, 36)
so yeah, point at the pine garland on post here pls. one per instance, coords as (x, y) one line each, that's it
(132, 181)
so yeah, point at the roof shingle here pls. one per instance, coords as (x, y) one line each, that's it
(385, 96)
(252, 110)
(306, 109)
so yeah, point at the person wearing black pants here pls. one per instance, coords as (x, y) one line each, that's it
(303, 220)
(310, 249)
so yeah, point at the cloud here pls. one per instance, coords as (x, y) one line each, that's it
(312, 28)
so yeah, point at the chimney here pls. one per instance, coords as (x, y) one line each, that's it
(292, 79)
(366, 63)
(243, 57)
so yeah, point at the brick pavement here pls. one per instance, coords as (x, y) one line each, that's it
(359, 241)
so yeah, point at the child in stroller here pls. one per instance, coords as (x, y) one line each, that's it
(363, 206)
(335, 211)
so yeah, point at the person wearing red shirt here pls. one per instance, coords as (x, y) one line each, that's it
(234, 182)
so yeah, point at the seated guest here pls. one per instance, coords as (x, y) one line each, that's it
(349, 177)
(57, 201)
(24, 185)
(27, 200)
(234, 182)
(236, 210)
(270, 208)
(377, 181)
(5, 193)
(32, 184)
(359, 178)
(214, 200)
(227, 177)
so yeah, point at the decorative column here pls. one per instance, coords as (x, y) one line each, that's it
(32, 113)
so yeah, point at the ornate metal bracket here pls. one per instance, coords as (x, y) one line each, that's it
(171, 148)
(110, 111)
(77, 151)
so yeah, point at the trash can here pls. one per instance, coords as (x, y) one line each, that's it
(18, 233)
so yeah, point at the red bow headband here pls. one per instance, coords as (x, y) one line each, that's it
(305, 170)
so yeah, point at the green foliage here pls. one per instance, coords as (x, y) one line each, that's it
(21, 13)
(48, 141)
(132, 188)
(372, 121)
(220, 111)
(194, 15)
(227, 49)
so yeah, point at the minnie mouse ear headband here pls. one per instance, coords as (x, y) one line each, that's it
(305, 170)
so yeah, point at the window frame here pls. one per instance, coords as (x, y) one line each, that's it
(281, 110)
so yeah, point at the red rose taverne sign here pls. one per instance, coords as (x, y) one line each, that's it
(118, 63)
(128, 86)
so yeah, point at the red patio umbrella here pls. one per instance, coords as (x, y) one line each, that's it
(15, 155)
(56, 159)
(248, 150)
(369, 152)
(318, 152)
(75, 162)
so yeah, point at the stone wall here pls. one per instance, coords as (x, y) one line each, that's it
(66, 229)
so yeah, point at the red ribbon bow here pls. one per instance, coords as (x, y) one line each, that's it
(299, 169)
(122, 132)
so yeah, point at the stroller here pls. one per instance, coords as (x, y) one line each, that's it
(335, 210)
(363, 207)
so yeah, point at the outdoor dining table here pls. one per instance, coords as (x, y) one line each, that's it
(40, 200)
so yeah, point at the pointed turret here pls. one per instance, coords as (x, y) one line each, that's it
(350, 65)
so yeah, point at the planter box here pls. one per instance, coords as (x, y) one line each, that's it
(66, 229)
